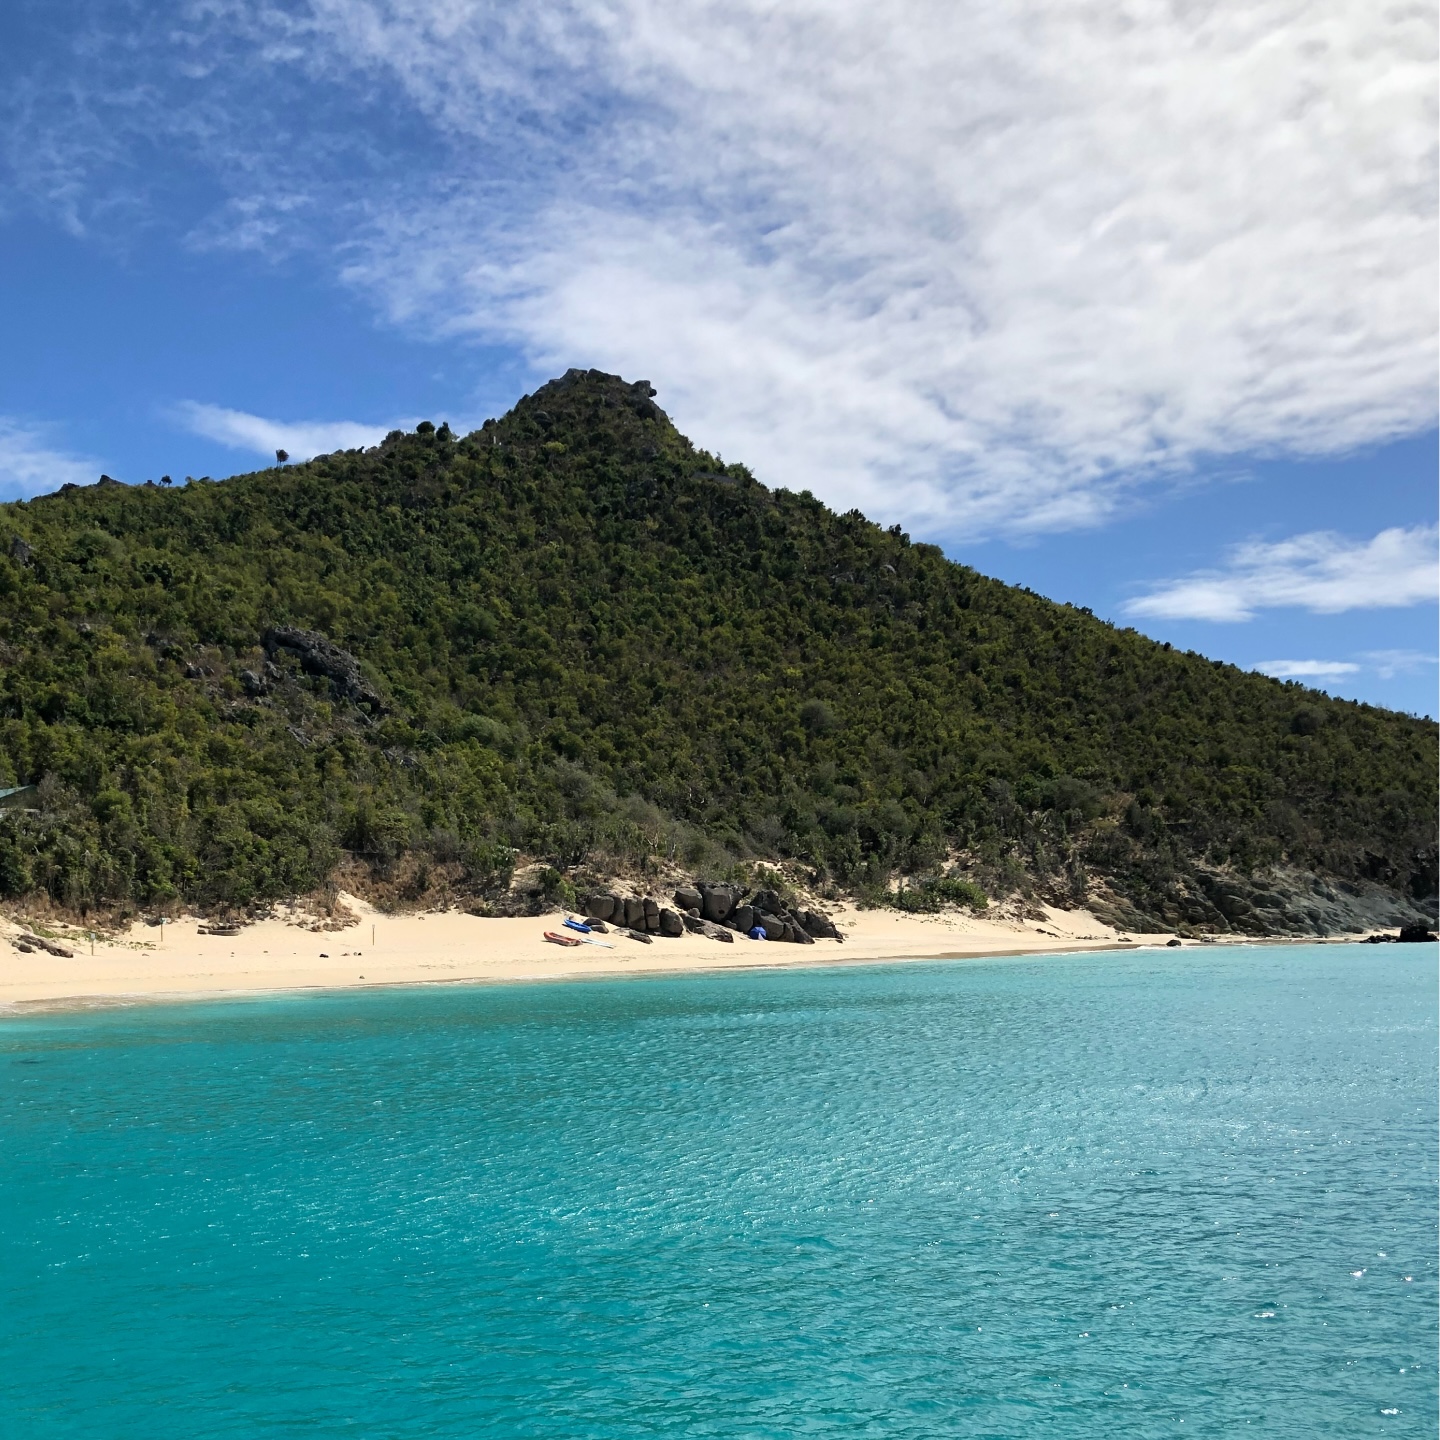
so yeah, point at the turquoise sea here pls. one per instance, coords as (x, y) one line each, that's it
(1156, 1193)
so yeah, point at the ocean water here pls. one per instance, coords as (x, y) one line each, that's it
(1146, 1194)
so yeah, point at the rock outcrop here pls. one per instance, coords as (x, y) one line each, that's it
(1409, 935)
(319, 656)
(714, 910)
(1282, 900)
(818, 925)
(39, 942)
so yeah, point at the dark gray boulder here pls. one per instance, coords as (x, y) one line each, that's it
(818, 926)
(716, 902)
(773, 925)
(670, 923)
(601, 906)
(688, 898)
(696, 926)
(634, 912)
(768, 901)
(742, 917)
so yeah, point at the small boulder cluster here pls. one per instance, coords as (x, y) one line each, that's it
(1409, 935)
(714, 910)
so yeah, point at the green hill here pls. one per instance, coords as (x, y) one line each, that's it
(573, 636)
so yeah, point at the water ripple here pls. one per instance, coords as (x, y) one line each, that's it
(1180, 1194)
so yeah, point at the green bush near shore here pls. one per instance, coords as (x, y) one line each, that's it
(932, 893)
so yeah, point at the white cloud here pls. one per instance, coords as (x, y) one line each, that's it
(1307, 669)
(300, 438)
(31, 465)
(981, 266)
(1321, 572)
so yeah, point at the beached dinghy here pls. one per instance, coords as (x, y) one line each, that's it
(557, 939)
(583, 938)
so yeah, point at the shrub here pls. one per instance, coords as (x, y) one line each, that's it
(556, 889)
(937, 893)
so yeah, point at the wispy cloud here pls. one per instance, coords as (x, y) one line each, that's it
(1320, 572)
(982, 267)
(1387, 664)
(260, 223)
(299, 438)
(983, 264)
(1307, 669)
(31, 464)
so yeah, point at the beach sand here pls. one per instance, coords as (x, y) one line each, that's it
(150, 964)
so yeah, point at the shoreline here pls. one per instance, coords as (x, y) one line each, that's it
(149, 966)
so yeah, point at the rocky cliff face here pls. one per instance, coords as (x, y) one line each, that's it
(1281, 900)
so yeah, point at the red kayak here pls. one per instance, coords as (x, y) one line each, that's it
(562, 939)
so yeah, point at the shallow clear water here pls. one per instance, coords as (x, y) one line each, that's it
(1145, 1194)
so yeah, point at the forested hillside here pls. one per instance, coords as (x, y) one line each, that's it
(571, 636)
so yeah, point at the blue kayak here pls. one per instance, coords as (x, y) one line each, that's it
(576, 925)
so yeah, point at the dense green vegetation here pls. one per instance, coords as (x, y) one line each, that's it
(586, 641)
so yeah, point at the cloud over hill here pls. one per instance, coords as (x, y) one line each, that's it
(987, 267)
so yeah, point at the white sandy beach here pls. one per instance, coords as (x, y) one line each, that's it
(148, 964)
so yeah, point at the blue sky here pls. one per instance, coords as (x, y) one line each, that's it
(1131, 305)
